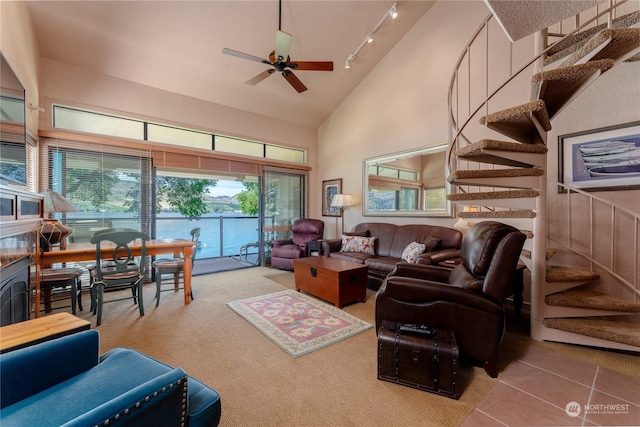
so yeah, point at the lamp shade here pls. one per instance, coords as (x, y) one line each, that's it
(52, 231)
(54, 202)
(342, 201)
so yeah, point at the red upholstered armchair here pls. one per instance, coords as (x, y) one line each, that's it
(283, 251)
(468, 299)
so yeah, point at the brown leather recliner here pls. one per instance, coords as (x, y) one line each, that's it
(468, 299)
(284, 251)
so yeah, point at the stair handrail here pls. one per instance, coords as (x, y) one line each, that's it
(452, 119)
(634, 285)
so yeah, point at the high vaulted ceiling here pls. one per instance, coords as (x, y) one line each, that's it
(177, 46)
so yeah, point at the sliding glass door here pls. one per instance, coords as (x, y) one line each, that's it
(282, 202)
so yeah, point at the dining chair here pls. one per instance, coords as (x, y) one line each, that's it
(106, 262)
(174, 266)
(122, 270)
(61, 280)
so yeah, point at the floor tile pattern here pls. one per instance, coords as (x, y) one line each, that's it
(547, 388)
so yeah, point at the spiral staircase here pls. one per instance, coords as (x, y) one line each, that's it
(498, 164)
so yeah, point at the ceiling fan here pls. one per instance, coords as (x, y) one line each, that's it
(279, 60)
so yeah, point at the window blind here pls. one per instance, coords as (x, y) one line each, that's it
(110, 185)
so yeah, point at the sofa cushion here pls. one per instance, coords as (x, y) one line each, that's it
(358, 244)
(431, 244)
(287, 251)
(363, 233)
(204, 405)
(359, 257)
(381, 264)
(411, 252)
(461, 278)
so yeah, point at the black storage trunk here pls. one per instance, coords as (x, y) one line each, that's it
(418, 356)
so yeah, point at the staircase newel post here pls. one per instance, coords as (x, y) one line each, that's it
(539, 244)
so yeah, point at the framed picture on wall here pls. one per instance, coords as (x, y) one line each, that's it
(329, 189)
(601, 159)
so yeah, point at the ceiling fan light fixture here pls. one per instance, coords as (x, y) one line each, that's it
(391, 13)
(280, 62)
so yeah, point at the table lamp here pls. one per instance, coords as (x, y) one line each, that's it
(342, 202)
(52, 231)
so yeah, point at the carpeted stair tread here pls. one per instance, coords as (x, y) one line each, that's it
(491, 195)
(560, 86)
(625, 333)
(481, 151)
(574, 42)
(591, 299)
(516, 122)
(506, 178)
(549, 253)
(567, 274)
(494, 173)
(521, 213)
(623, 40)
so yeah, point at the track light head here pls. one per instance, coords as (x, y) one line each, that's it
(391, 13)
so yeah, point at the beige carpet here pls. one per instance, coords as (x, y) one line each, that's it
(262, 385)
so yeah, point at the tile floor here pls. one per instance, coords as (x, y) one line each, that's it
(546, 388)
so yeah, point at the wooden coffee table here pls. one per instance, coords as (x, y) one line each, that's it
(35, 331)
(339, 282)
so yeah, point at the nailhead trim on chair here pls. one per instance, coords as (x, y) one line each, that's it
(127, 411)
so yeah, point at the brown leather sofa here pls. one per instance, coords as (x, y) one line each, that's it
(468, 299)
(284, 251)
(441, 243)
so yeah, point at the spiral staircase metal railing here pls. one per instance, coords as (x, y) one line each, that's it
(508, 181)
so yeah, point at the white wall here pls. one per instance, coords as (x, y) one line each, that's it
(70, 85)
(46, 81)
(402, 105)
(18, 45)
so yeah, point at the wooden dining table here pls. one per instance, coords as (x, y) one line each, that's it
(75, 252)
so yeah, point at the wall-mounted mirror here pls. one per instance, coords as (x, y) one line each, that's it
(411, 183)
(13, 150)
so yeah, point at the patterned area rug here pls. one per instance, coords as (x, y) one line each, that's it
(296, 322)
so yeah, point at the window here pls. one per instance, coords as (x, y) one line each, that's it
(122, 127)
(110, 186)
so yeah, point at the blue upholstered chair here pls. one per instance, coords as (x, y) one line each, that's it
(121, 387)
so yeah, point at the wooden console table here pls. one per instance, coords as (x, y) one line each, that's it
(35, 331)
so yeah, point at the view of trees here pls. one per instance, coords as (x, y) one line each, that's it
(249, 198)
(185, 195)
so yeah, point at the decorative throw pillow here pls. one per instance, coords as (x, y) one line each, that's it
(431, 244)
(412, 251)
(358, 244)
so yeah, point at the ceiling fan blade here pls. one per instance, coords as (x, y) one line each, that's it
(294, 81)
(244, 56)
(283, 43)
(312, 65)
(260, 77)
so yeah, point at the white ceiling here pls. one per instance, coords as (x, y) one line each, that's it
(177, 46)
